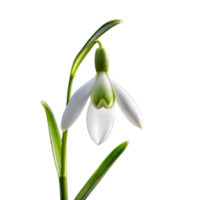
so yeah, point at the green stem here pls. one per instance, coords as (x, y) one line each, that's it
(100, 45)
(64, 178)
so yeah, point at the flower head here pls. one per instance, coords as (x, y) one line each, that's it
(103, 92)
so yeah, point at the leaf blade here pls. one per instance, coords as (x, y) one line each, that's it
(56, 143)
(101, 171)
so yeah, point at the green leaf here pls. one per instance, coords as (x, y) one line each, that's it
(56, 143)
(101, 171)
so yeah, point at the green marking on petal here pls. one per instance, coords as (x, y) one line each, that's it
(102, 93)
(114, 97)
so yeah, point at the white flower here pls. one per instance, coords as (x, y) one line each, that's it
(103, 92)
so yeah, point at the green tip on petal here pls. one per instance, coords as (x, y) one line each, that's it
(102, 93)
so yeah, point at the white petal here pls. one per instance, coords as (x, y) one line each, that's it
(127, 105)
(76, 104)
(100, 123)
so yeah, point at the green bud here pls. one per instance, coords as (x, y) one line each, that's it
(101, 60)
(102, 94)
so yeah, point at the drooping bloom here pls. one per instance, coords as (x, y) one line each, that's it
(103, 92)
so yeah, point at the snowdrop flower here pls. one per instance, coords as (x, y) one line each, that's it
(103, 92)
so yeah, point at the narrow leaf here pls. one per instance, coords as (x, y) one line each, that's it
(56, 143)
(101, 171)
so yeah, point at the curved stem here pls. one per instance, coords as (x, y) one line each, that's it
(100, 44)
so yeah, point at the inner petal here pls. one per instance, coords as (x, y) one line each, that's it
(102, 94)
